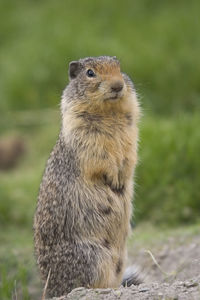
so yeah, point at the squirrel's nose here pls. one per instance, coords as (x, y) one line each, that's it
(117, 86)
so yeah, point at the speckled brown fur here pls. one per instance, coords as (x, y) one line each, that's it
(84, 204)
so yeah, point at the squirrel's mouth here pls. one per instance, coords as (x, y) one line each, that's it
(114, 96)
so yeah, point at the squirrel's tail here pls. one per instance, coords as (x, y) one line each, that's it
(132, 275)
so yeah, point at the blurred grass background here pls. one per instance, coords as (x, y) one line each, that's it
(158, 45)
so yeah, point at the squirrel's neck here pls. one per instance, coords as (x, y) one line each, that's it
(99, 118)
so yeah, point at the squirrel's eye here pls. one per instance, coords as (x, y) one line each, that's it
(90, 73)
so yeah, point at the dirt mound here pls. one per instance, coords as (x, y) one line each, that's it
(171, 265)
(181, 290)
(11, 150)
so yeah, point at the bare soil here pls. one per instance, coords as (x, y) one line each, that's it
(170, 264)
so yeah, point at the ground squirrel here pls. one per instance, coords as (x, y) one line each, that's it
(84, 205)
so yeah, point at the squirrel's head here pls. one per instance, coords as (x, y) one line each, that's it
(97, 79)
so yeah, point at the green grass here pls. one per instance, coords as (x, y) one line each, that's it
(18, 194)
(157, 42)
(167, 178)
(148, 236)
(19, 187)
(18, 275)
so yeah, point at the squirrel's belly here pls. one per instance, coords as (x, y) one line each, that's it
(104, 216)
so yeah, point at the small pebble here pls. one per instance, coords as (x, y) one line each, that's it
(78, 289)
(103, 291)
(117, 293)
(190, 284)
(144, 290)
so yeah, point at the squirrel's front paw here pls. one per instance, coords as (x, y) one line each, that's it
(115, 183)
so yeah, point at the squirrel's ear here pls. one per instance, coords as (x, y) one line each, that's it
(74, 69)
